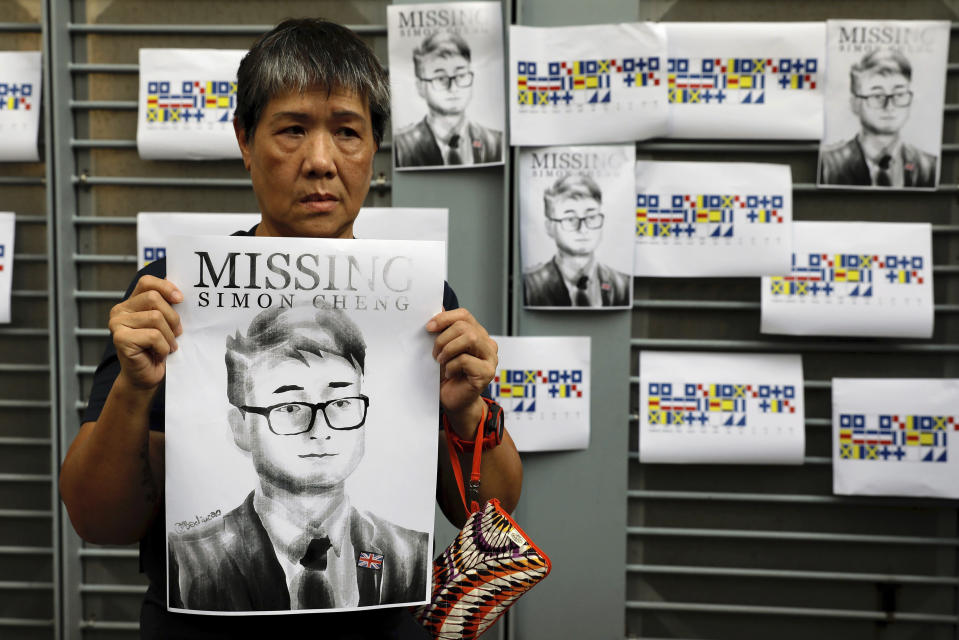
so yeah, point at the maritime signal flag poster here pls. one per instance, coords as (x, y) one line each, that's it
(896, 437)
(719, 408)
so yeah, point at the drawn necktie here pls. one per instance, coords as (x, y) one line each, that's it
(884, 179)
(454, 157)
(315, 591)
(582, 300)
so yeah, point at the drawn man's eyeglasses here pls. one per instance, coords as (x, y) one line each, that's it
(882, 100)
(572, 223)
(462, 79)
(293, 418)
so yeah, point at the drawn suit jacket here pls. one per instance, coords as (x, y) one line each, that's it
(544, 287)
(416, 146)
(846, 164)
(229, 564)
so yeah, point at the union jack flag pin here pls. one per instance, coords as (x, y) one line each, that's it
(370, 560)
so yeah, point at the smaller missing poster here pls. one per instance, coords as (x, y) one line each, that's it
(576, 226)
(446, 74)
(885, 94)
(301, 421)
(186, 104)
(20, 86)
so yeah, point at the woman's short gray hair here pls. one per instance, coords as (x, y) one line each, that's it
(310, 52)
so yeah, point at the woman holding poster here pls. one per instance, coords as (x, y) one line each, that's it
(312, 104)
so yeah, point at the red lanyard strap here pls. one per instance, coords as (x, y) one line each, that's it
(474, 505)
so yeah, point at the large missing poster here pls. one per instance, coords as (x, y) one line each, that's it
(186, 104)
(302, 407)
(895, 437)
(372, 223)
(543, 385)
(746, 80)
(446, 74)
(885, 92)
(587, 84)
(7, 230)
(712, 219)
(717, 408)
(576, 226)
(20, 93)
(853, 279)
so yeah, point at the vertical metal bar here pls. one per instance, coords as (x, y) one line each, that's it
(55, 521)
(61, 159)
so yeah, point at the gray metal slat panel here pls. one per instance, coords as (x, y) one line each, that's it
(24, 181)
(29, 293)
(25, 514)
(90, 105)
(25, 622)
(24, 404)
(13, 550)
(23, 331)
(30, 219)
(20, 27)
(785, 574)
(734, 305)
(105, 625)
(24, 368)
(793, 346)
(26, 586)
(24, 442)
(695, 607)
(98, 295)
(120, 589)
(92, 221)
(808, 460)
(781, 498)
(96, 552)
(25, 477)
(199, 29)
(103, 259)
(798, 536)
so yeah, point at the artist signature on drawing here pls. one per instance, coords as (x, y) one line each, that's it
(186, 525)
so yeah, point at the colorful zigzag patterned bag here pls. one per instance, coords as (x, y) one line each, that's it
(490, 564)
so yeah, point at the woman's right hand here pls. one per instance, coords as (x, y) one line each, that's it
(144, 329)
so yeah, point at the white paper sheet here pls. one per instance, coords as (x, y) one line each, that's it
(895, 437)
(711, 219)
(543, 385)
(449, 38)
(719, 408)
(373, 223)
(7, 232)
(580, 183)
(854, 279)
(587, 84)
(186, 104)
(907, 57)
(746, 80)
(389, 290)
(20, 93)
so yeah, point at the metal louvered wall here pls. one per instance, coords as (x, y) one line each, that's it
(727, 551)
(29, 555)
